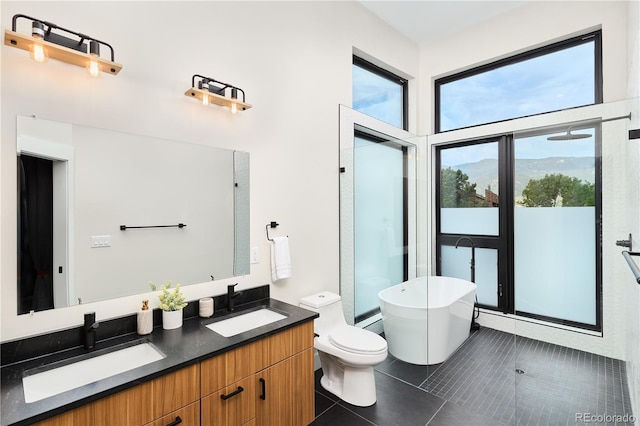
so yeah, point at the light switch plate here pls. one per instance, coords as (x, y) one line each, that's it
(255, 255)
(98, 241)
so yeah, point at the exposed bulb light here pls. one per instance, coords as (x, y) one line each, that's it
(205, 96)
(211, 91)
(49, 41)
(36, 51)
(92, 66)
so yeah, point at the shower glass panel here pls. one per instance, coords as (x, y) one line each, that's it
(379, 221)
(577, 346)
(555, 225)
(378, 213)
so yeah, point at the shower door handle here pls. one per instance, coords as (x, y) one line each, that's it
(500, 289)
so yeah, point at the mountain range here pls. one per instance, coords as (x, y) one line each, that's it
(485, 172)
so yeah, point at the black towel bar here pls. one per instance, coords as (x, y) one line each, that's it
(125, 227)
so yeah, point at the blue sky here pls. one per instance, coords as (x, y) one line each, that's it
(555, 81)
(551, 82)
(376, 96)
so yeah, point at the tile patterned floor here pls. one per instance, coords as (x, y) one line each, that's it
(478, 386)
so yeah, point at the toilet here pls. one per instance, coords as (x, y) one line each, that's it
(347, 353)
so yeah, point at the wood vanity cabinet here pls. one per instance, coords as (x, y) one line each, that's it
(265, 383)
(269, 382)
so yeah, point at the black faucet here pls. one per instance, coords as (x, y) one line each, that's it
(231, 294)
(473, 256)
(90, 325)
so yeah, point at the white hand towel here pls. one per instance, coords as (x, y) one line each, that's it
(280, 258)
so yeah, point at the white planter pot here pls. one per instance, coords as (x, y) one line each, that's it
(171, 319)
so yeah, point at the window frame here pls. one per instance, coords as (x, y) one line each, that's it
(595, 36)
(388, 75)
(504, 242)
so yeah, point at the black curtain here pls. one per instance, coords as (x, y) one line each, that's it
(35, 234)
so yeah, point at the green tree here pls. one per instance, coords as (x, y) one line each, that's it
(548, 191)
(457, 191)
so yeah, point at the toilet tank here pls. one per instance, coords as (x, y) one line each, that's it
(329, 306)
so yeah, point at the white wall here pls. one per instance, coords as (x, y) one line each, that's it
(293, 60)
(533, 25)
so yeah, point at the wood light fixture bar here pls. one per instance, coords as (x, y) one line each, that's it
(210, 91)
(83, 52)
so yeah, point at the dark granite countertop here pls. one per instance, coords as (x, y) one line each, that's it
(190, 344)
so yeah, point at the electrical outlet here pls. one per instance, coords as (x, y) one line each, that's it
(255, 255)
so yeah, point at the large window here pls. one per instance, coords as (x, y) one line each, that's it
(379, 93)
(563, 75)
(530, 207)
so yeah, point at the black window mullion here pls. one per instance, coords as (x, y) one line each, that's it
(506, 301)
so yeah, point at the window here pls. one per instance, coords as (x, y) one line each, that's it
(379, 93)
(531, 206)
(563, 75)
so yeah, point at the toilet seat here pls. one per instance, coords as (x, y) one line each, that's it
(357, 341)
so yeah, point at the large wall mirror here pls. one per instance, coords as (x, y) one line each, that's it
(102, 213)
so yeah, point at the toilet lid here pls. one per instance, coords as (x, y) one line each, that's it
(357, 340)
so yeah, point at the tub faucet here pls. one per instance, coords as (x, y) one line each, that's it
(473, 256)
(231, 294)
(90, 325)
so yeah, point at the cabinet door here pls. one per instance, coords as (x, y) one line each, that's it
(130, 407)
(175, 390)
(303, 391)
(230, 367)
(302, 337)
(274, 386)
(186, 416)
(277, 347)
(234, 405)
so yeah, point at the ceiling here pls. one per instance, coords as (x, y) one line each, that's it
(427, 20)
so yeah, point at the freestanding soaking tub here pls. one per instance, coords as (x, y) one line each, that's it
(426, 319)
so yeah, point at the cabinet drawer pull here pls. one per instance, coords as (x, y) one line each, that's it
(263, 395)
(234, 393)
(177, 421)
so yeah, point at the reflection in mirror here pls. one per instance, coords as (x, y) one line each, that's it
(99, 213)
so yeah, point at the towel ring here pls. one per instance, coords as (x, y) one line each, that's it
(270, 225)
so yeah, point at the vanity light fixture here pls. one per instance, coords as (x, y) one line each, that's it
(44, 43)
(210, 91)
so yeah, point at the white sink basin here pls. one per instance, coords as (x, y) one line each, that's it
(245, 322)
(61, 379)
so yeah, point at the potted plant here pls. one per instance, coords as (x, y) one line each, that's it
(171, 302)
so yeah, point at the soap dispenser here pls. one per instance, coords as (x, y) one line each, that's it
(145, 319)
